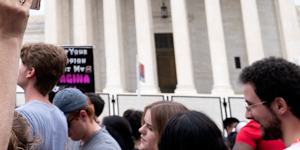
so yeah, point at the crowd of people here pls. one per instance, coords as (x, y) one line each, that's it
(271, 88)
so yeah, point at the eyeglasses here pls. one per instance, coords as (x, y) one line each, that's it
(249, 107)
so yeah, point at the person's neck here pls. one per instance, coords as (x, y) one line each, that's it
(33, 94)
(92, 128)
(290, 130)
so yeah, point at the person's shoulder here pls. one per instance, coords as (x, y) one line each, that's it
(104, 139)
(42, 113)
(103, 146)
(58, 111)
(29, 110)
(97, 143)
(253, 124)
(26, 106)
(252, 128)
(33, 105)
(104, 134)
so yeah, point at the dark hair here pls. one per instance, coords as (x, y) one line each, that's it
(51, 95)
(191, 130)
(20, 134)
(134, 118)
(98, 103)
(229, 121)
(274, 77)
(49, 62)
(119, 128)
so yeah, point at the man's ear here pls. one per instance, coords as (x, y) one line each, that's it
(30, 72)
(83, 114)
(280, 106)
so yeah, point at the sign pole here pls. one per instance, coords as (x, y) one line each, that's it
(138, 77)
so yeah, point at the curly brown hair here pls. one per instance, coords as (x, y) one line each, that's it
(20, 138)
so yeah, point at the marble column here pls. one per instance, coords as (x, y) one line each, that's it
(51, 21)
(181, 34)
(145, 45)
(221, 81)
(113, 46)
(252, 30)
(290, 33)
(80, 22)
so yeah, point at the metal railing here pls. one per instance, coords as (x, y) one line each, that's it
(216, 107)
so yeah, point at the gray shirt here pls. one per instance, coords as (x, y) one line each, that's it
(101, 140)
(48, 124)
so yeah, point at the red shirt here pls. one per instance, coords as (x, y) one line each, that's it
(251, 134)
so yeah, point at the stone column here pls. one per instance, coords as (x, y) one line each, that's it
(145, 45)
(184, 65)
(80, 29)
(217, 48)
(290, 33)
(252, 30)
(57, 22)
(51, 22)
(113, 46)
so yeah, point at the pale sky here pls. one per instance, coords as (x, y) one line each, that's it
(297, 2)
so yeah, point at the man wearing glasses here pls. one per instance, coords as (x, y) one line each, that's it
(81, 123)
(272, 92)
(250, 136)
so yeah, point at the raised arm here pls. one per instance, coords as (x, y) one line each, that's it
(13, 20)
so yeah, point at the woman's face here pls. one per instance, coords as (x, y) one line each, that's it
(149, 136)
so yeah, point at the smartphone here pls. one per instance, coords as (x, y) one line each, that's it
(35, 4)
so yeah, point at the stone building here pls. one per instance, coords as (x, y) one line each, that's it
(198, 46)
(187, 46)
